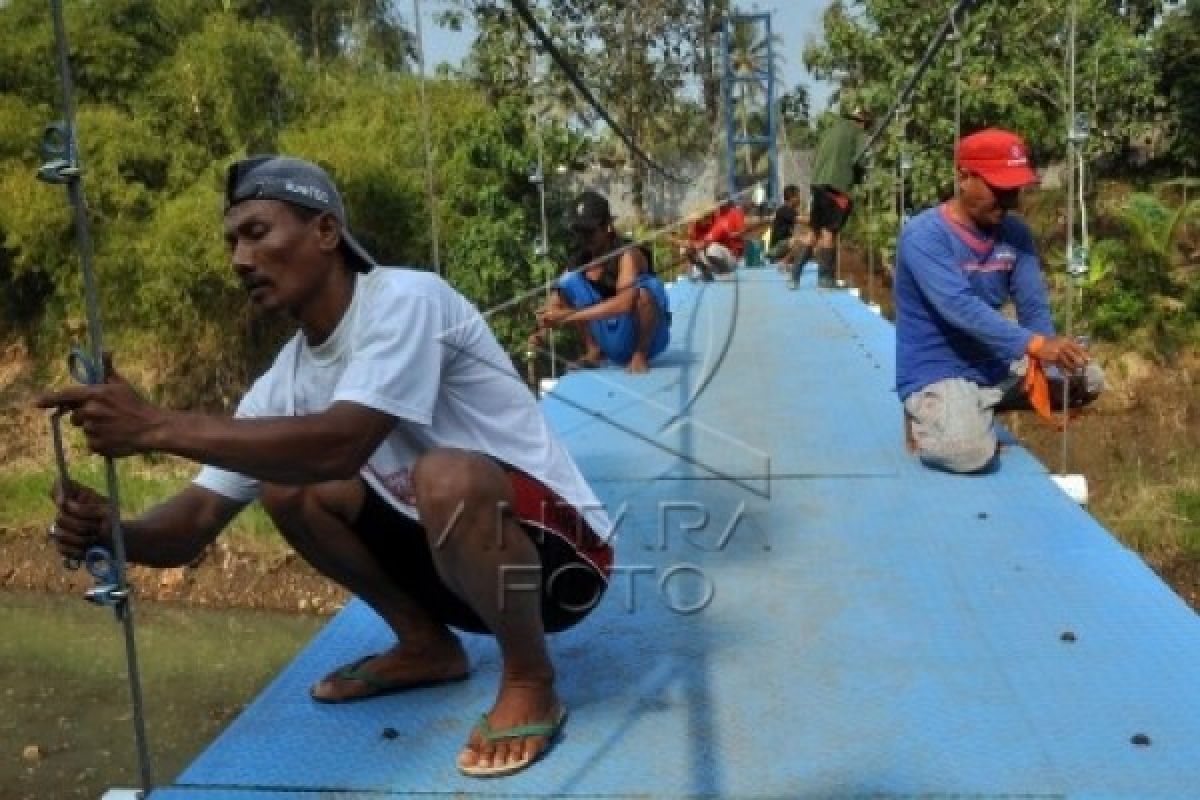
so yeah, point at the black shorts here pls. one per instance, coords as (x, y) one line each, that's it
(573, 577)
(829, 209)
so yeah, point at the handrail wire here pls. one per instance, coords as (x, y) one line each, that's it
(637, 242)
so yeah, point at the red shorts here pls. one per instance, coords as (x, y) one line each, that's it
(576, 563)
(829, 209)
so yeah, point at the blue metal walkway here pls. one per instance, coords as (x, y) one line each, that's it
(803, 611)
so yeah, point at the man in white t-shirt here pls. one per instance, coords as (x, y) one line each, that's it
(393, 445)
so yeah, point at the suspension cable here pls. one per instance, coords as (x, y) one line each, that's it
(932, 50)
(522, 9)
(428, 140)
(64, 167)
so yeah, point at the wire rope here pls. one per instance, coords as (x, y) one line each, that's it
(67, 170)
(932, 50)
(568, 69)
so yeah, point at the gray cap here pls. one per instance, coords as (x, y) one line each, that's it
(294, 181)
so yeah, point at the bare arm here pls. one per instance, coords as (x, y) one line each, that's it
(171, 534)
(548, 315)
(331, 445)
(629, 268)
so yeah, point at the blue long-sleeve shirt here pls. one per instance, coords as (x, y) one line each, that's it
(951, 282)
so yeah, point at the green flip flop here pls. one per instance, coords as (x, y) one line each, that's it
(550, 730)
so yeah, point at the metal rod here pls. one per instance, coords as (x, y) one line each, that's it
(427, 136)
(870, 236)
(545, 247)
(96, 340)
(958, 70)
(902, 166)
(1072, 146)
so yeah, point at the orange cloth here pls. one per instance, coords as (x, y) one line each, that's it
(1037, 390)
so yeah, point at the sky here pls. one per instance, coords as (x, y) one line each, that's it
(794, 21)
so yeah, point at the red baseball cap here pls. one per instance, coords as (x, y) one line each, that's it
(999, 157)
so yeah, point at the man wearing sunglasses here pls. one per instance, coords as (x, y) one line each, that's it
(395, 448)
(959, 358)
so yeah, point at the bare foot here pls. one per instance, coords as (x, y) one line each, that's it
(589, 360)
(517, 703)
(638, 364)
(402, 667)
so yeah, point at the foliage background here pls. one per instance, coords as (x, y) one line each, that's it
(1136, 72)
(170, 93)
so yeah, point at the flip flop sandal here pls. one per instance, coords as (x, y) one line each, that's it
(376, 686)
(550, 730)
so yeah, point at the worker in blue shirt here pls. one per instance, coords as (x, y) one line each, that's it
(611, 295)
(959, 359)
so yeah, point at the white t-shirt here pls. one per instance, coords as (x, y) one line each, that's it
(411, 346)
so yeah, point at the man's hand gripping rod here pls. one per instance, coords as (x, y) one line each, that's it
(108, 590)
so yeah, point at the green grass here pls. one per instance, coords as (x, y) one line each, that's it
(26, 495)
(1187, 507)
(1155, 514)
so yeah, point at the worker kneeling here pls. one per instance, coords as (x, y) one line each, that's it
(958, 358)
(611, 294)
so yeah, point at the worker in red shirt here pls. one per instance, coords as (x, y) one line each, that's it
(715, 242)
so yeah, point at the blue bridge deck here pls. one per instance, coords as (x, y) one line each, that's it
(801, 609)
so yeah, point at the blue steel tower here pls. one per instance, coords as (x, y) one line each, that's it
(750, 112)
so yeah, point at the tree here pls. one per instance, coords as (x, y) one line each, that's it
(370, 33)
(1177, 57)
(231, 86)
(795, 115)
(1016, 80)
(165, 102)
(1140, 280)
(639, 59)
